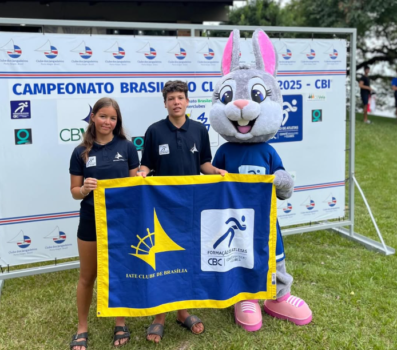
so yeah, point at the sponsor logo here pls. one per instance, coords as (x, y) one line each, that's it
(331, 200)
(291, 128)
(227, 239)
(285, 53)
(316, 97)
(310, 54)
(287, 208)
(179, 52)
(12, 50)
(117, 51)
(57, 236)
(22, 241)
(20, 109)
(154, 243)
(91, 162)
(309, 204)
(317, 115)
(164, 149)
(83, 50)
(148, 51)
(138, 142)
(194, 149)
(49, 50)
(207, 52)
(204, 120)
(23, 136)
(333, 55)
(76, 134)
(118, 158)
(252, 169)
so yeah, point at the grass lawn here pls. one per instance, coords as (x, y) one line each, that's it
(351, 290)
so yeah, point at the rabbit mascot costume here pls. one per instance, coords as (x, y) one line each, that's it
(247, 111)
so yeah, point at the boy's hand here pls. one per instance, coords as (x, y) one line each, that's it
(141, 173)
(221, 172)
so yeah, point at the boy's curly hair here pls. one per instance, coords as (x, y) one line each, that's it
(174, 85)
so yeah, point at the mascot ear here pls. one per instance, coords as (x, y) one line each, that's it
(265, 54)
(231, 54)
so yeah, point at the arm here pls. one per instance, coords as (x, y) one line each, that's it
(208, 169)
(80, 188)
(147, 156)
(133, 172)
(364, 87)
(284, 184)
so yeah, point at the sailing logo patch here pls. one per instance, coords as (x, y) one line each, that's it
(118, 158)
(227, 239)
(194, 149)
(91, 162)
(164, 149)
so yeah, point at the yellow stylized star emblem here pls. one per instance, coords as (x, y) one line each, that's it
(162, 243)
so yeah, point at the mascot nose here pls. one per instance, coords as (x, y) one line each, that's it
(240, 103)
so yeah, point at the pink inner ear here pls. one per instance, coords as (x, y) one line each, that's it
(268, 53)
(227, 55)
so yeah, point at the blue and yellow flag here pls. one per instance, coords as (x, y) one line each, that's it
(170, 243)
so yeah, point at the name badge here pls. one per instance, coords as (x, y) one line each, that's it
(164, 149)
(91, 162)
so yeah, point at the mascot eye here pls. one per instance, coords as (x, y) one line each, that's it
(226, 94)
(259, 93)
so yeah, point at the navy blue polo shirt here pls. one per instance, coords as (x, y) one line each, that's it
(111, 161)
(171, 151)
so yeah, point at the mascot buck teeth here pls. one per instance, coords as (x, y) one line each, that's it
(247, 111)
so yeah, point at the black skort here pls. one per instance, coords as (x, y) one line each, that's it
(87, 230)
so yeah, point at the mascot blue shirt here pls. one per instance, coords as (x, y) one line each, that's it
(251, 158)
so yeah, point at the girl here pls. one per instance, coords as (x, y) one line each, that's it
(105, 153)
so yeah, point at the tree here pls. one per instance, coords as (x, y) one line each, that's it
(375, 22)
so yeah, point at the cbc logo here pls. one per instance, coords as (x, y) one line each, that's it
(215, 261)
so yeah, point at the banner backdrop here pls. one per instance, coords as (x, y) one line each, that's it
(49, 83)
(171, 243)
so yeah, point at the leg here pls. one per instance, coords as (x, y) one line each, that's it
(85, 286)
(120, 322)
(366, 113)
(284, 280)
(287, 306)
(158, 319)
(198, 328)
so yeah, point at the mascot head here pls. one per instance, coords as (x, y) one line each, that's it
(247, 101)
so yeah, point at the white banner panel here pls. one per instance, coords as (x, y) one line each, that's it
(49, 83)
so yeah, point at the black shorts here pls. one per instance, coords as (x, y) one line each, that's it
(395, 101)
(364, 98)
(87, 230)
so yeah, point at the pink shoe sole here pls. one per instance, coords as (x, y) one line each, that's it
(253, 328)
(297, 321)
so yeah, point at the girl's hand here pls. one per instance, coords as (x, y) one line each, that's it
(90, 184)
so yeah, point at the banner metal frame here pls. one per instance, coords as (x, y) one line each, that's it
(335, 226)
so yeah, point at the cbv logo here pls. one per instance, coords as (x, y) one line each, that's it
(74, 134)
(73, 118)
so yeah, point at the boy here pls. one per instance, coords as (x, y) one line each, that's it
(176, 146)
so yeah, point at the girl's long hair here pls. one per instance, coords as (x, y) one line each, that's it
(90, 134)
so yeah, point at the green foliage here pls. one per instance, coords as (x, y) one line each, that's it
(351, 290)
